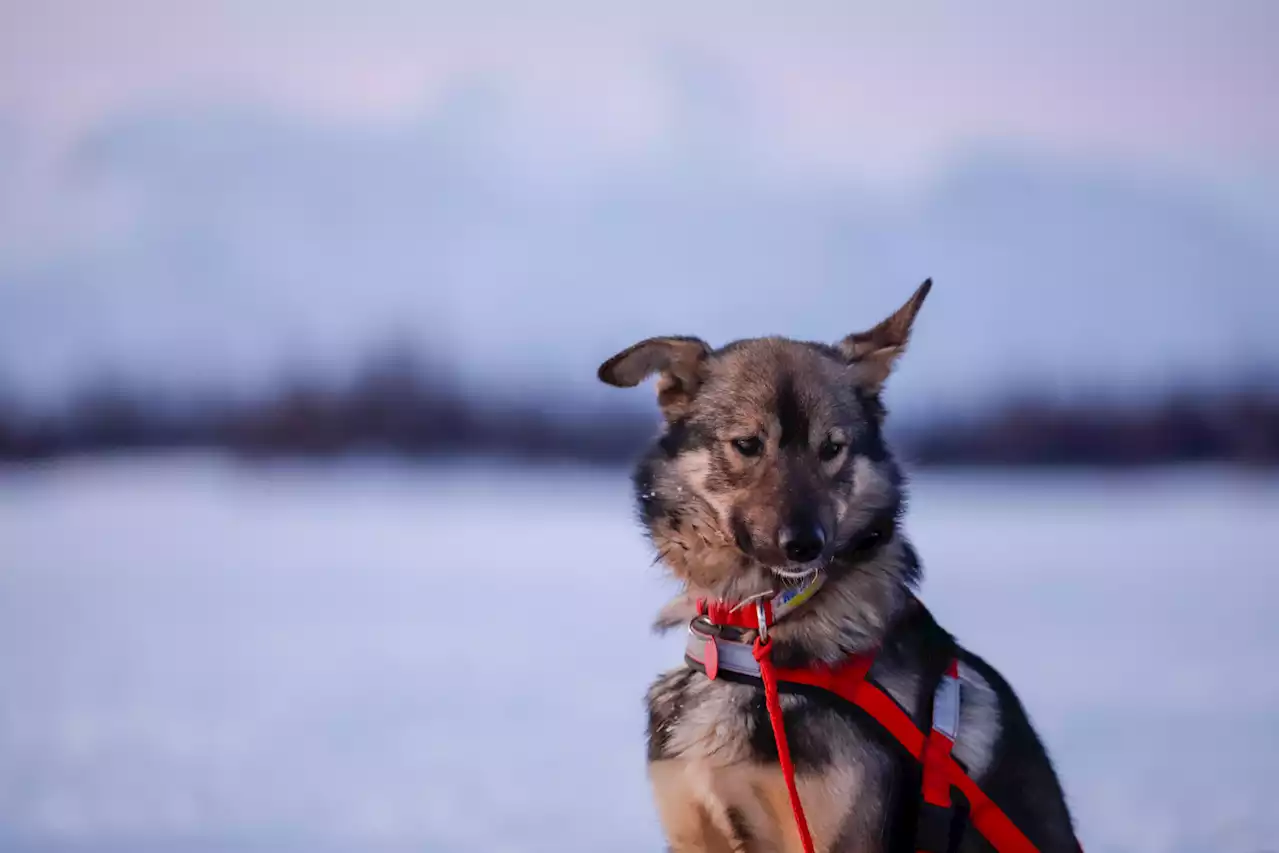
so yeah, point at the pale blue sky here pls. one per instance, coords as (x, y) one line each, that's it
(218, 191)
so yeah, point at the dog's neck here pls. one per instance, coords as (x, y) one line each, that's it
(862, 597)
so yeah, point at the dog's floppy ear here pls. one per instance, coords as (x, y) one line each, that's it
(679, 361)
(876, 349)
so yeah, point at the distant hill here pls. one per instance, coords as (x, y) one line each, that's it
(396, 406)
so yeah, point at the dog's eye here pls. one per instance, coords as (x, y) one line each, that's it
(830, 449)
(748, 446)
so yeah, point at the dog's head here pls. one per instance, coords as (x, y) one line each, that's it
(772, 461)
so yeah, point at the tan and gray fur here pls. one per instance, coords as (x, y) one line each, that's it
(772, 463)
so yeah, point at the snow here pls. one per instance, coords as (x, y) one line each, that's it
(198, 655)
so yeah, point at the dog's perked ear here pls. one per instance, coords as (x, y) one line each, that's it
(678, 361)
(877, 349)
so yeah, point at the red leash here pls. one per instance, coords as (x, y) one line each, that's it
(761, 651)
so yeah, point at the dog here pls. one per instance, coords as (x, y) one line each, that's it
(770, 467)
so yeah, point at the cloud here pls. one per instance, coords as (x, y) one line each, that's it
(243, 241)
(864, 88)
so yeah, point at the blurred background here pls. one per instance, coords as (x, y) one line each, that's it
(300, 311)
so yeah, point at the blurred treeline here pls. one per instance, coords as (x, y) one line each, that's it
(400, 406)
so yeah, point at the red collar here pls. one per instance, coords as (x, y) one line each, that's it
(762, 612)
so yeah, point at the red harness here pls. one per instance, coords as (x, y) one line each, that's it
(940, 772)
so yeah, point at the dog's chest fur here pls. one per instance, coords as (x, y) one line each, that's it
(714, 768)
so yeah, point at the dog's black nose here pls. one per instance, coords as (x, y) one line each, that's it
(802, 541)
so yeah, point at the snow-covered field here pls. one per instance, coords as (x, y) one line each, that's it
(199, 656)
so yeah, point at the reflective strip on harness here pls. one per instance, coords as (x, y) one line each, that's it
(933, 828)
(942, 737)
(946, 702)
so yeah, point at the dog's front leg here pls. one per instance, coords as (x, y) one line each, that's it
(693, 818)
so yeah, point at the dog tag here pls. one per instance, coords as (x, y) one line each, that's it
(711, 659)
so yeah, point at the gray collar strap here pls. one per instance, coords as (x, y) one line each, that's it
(713, 654)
